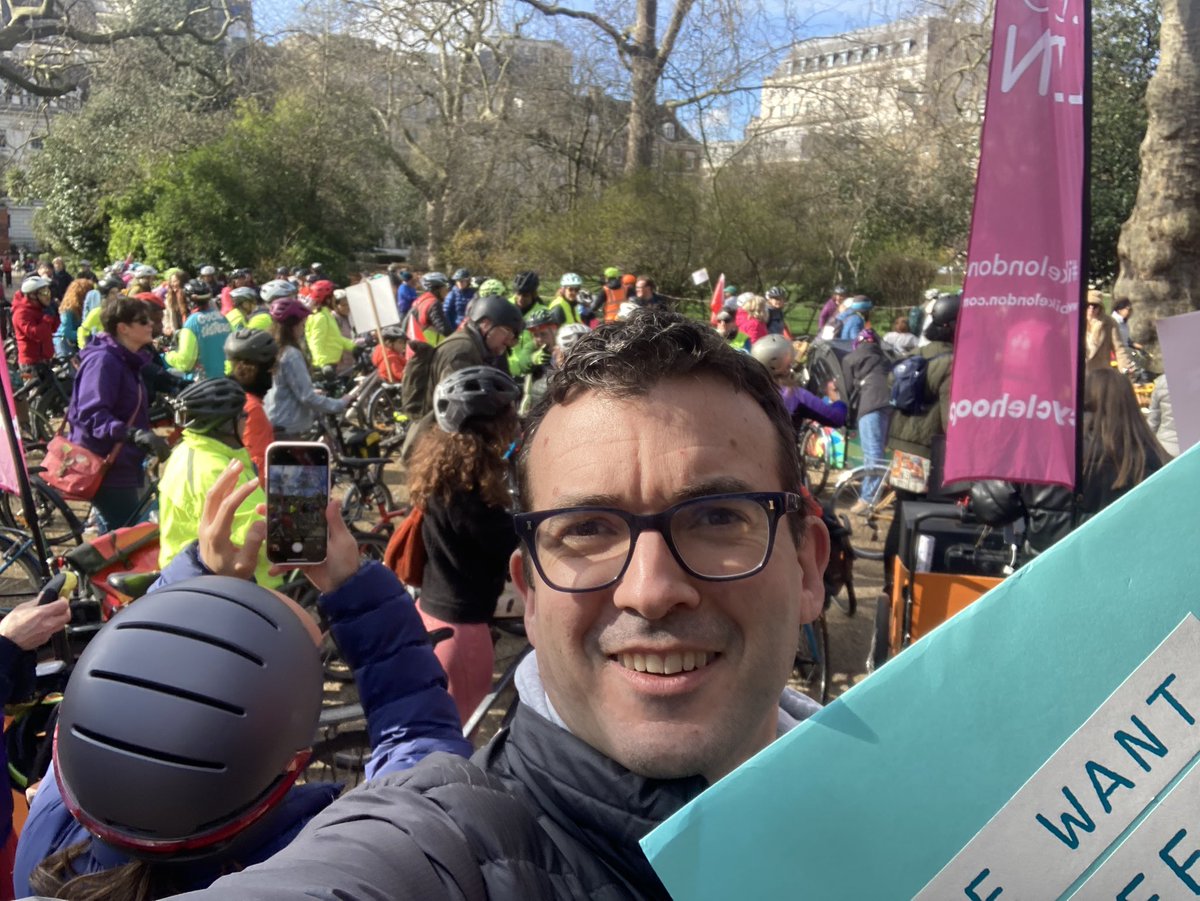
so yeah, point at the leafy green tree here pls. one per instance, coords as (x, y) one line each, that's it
(289, 184)
(1125, 52)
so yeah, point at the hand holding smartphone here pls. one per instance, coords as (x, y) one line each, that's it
(298, 482)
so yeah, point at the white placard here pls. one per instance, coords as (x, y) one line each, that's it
(1161, 858)
(1092, 788)
(700, 276)
(372, 305)
(1179, 336)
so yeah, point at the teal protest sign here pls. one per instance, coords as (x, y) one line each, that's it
(884, 791)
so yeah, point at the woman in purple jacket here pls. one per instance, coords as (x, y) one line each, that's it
(109, 406)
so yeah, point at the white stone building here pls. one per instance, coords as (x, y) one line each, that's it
(873, 82)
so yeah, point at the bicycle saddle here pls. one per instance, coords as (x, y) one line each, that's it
(133, 584)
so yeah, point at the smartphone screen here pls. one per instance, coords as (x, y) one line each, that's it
(297, 494)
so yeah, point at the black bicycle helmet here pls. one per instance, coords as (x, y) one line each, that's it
(996, 503)
(209, 405)
(109, 283)
(943, 317)
(197, 292)
(188, 718)
(393, 333)
(526, 282)
(500, 311)
(476, 391)
(251, 345)
(461, 275)
(776, 293)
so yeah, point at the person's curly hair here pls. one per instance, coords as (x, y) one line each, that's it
(76, 293)
(444, 464)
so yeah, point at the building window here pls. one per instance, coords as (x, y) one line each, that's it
(668, 130)
(36, 144)
(689, 161)
(3, 138)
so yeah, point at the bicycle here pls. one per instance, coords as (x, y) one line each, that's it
(810, 670)
(61, 526)
(868, 525)
(46, 397)
(814, 451)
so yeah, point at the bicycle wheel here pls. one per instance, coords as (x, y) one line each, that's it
(61, 527)
(383, 410)
(20, 575)
(810, 672)
(362, 512)
(869, 527)
(813, 446)
(339, 755)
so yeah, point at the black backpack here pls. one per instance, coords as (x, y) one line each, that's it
(908, 384)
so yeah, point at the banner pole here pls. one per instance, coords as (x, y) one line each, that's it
(1086, 241)
(22, 476)
(379, 337)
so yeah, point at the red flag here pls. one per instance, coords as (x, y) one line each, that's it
(718, 299)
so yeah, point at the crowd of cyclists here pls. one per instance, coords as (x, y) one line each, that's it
(242, 365)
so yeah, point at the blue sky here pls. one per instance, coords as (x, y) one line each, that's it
(722, 119)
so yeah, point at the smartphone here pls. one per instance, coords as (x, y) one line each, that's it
(297, 494)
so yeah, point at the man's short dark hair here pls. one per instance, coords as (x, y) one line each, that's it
(1122, 305)
(630, 358)
(121, 308)
(648, 282)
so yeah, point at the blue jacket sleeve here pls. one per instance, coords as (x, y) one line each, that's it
(400, 682)
(184, 565)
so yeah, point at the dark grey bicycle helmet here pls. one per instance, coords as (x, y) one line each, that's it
(477, 391)
(776, 293)
(209, 405)
(251, 345)
(500, 311)
(943, 317)
(461, 275)
(526, 282)
(197, 292)
(393, 333)
(188, 717)
(431, 280)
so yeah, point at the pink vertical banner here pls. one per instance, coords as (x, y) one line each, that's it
(9, 468)
(1013, 392)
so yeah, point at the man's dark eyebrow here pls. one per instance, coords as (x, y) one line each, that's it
(716, 485)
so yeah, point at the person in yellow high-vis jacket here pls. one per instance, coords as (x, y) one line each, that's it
(212, 417)
(325, 340)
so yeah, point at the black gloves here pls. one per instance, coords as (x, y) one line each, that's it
(151, 443)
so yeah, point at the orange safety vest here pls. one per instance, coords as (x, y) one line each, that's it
(419, 327)
(613, 298)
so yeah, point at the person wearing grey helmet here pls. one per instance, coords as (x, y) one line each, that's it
(457, 474)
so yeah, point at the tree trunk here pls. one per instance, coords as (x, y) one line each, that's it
(435, 230)
(643, 89)
(1159, 248)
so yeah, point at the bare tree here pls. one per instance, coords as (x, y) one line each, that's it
(46, 47)
(1159, 248)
